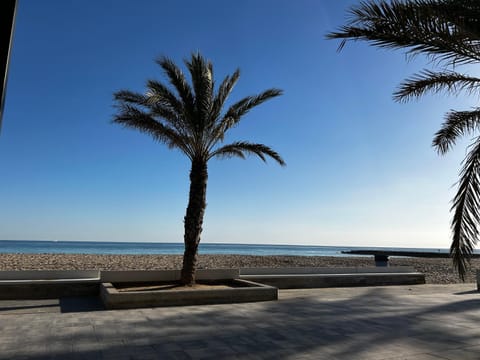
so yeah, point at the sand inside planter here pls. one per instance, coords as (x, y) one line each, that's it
(164, 286)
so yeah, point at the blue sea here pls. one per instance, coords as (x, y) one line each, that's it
(139, 248)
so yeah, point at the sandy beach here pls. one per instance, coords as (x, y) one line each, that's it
(437, 271)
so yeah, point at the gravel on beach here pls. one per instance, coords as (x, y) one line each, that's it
(437, 271)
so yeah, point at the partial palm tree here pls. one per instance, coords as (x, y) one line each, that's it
(448, 32)
(190, 117)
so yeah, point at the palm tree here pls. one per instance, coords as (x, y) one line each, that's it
(448, 32)
(190, 118)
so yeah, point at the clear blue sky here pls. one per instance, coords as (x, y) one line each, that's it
(360, 169)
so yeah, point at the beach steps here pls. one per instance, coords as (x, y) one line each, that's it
(301, 278)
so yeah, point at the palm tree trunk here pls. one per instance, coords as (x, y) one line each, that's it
(194, 219)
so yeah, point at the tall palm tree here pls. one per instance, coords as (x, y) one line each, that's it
(190, 117)
(448, 32)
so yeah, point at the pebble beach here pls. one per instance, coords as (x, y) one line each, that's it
(437, 271)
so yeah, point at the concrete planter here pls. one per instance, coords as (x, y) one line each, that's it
(48, 284)
(244, 291)
(302, 278)
(123, 276)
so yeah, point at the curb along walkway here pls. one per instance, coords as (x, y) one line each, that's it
(396, 322)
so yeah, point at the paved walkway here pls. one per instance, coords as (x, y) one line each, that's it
(399, 322)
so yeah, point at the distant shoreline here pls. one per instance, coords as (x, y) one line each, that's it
(437, 271)
(168, 248)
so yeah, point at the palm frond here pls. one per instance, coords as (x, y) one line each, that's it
(464, 13)
(163, 103)
(177, 79)
(223, 92)
(201, 72)
(130, 97)
(132, 117)
(171, 117)
(466, 206)
(192, 119)
(420, 26)
(242, 148)
(235, 112)
(457, 124)
(427, 80)
(158, 93)
(240, 108)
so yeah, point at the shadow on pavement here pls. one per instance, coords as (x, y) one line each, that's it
(62, 305)
(374, 322)
(467, 292)
(81, 304)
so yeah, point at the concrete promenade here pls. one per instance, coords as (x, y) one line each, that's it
(417, 322)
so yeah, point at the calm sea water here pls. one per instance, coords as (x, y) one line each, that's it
(94, 247)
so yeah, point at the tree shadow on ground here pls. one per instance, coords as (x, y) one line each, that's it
(375, 321)
(81, 304)
(467, 292)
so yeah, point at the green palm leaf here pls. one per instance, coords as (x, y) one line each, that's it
(158, 93)
(242, 148)
(457, 124)
(419, 84)
(201, 72)
(466, 206)
(442, 30)
(239, 109)
(130, 97)
(177, 79)
(132, 117)
(223, 92)
(235, 112)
